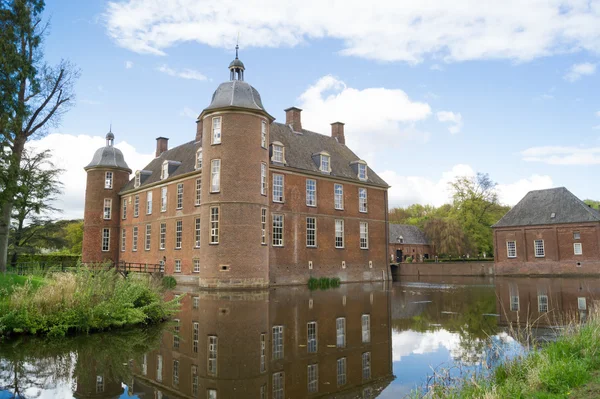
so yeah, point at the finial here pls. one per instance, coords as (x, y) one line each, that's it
(237, 45)
(110, 128)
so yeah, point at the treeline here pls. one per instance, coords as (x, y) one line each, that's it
(462, 227)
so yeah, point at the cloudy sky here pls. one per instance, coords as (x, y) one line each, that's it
(428, 90)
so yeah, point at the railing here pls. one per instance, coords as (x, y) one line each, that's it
(127, 267)
(27, 268)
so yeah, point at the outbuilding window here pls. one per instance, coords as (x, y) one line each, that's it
(538, 246)
(511, 249)
(577, 248)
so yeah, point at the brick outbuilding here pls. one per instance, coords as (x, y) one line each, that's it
(409, 241)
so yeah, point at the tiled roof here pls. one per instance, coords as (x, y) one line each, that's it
(108, 156)
(539, 206)
(410, 234)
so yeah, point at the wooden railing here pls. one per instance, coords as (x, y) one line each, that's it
(127, 267)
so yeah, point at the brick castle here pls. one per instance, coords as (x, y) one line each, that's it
(248, 202)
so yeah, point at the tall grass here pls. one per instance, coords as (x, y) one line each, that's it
(88, 300)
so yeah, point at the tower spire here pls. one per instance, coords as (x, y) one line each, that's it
(236, 67)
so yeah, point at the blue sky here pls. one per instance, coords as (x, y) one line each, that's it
(427, 90)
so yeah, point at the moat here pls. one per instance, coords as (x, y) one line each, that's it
(357, 341)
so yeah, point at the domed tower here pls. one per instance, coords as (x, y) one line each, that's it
(106, 174)
(235, 172)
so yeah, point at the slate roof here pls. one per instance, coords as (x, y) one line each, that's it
(411, 234)
(108, 156)
(537, 207)
(299, 148)
(236, 93)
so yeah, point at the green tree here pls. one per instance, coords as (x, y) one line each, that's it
(73, 234)
(593, 204)
(33, 96)
(446, 235)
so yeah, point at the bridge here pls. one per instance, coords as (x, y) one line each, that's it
(130, 267)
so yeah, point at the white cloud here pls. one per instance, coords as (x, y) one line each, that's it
(386, 30)
(510, 194)
(183, 73)
(557, 155)
(128, 64)
(436, 67)
(374, 117)
(451, 117)
(189, 113)
(72, 153)
(598, 113)
(578, 70)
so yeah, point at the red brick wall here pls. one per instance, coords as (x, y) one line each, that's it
(416, 251)
(446, 269)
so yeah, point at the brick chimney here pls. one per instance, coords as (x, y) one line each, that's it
(162, 145)
(292, 118)
(337, 132)
(199, 130)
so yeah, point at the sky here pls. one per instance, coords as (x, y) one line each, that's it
(428, 90)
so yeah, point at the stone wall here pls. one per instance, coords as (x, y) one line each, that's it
(444, 269)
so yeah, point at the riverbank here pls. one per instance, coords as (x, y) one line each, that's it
(62, 303)
(566, 368)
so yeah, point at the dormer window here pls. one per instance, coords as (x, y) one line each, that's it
(401, 240)
(199, 159)
(278, 152)
(325, 166)
(362, 171)
(165, 170)
(137, 181)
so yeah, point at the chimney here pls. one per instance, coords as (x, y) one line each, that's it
(292, 118)
(162, 145)
(199, 130)
(337, 132)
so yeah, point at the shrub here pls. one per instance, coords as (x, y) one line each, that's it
(169, 282)
(409, 259)
(323, 283)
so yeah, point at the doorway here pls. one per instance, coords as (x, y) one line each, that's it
(398, 255)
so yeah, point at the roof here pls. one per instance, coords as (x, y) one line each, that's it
(537, 207)
(410, 234)
(236, 93)
(299, 150)
(108, 157)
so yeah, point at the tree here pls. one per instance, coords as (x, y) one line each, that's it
(33, 95)
(38, 186)
(446, 235)
(593, 204)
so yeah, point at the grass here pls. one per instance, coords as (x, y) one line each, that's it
(323, 283)
(566, 368)
(84, 301)
(8, 282)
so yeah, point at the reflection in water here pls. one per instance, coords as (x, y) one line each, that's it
(292, 343)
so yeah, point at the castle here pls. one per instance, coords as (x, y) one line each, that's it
(248, 203)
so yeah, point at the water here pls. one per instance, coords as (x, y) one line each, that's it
(358, 341)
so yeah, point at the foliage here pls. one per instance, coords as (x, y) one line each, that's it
(409, 259)
(169, 282)
(8, 283)
(323, 283)
(593, 204)
(84, 301)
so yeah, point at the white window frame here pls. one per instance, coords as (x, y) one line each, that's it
(365, 322)
(510, 254)
(362, 172)
(581, 303)
(212, 355)
(215, 175)
(178, 233)
(278, 153)
(277, 342)
(263, 134)
(325, 163)
(196, 263)
(311, 231)
(136, 206)
(364, 235)
(195, 336)
(542, 303)
(134, 239)
(312, 334)
(163, 236)
(176, 371)
(514, 303)
(108, 180)
(312, 373)
(215, 215)
(164, 170)
(339, 233)
(148, 240)
(341, 371)
(123, 239)
(149, 203)
(278, 189)
(198, 159)
(177, 266)
(263, 225)
(539, 249)
(577, 235)
(163, 199)
(338, 197)
(340, 332)
(198, 192)
(107, 214)
(105, 239)
(217, 126)
(137, 180)
(124, 208)
(278, 385)
(577, 248)
(263, 178)
(277, 225)
(197, 233)
(311, 192)
(179, 196)
(366, 366)
(362, 200)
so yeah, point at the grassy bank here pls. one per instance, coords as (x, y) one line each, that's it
(566, 368)
(84, 301)
(8, 282)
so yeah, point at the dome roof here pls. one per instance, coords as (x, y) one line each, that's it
(236, 93)
(108, 157)
(236, 63)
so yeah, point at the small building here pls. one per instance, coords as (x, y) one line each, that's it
(549, 232)
(409, 241)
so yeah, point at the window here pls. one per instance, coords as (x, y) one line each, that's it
(366, 328)
(538, 246)
(136, 206)
(178, 233)
(339, 234)
(123, 239)
(577, 248)
(311, 232)
(177, 265)
(277, 230)
(105, 240)
(313, 378)
(278, 153)
(212, 354)
(325, 162)
(196, 267)
(215, 176)
(149, 203)
(362, 171)
(108, 180)
(263, 178)
(263, 353)
(576, 235)
(179, 195)
(145, 364)
(542, 303)
(216, 130)
(362, 200)
(99, 384)
(195, 336)
(311, 341)
(137, 181)
(211, 394)
(159, 368)
(514, 303)
(163, 235)
(198, 191)
(263, 134)
(195, 381)
(366, 365)
(263, 225)
(364, 235)
(124, 210)
(148, 235)
(277, 342)
(176, 331)
(340, 328)
(341, 371)
(134, 239)
(278, 385)
(581, 303)
(511, 249)
(199, 158)
(311, 192)
(214, 225)
(197, 233)
(196, 299)
(107, 208)
(338, 196)
(164, 172)
(277, 188)
(163, 199)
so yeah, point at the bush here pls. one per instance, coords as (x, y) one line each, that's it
(323, 283)
(169, 282)
(409, 259)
